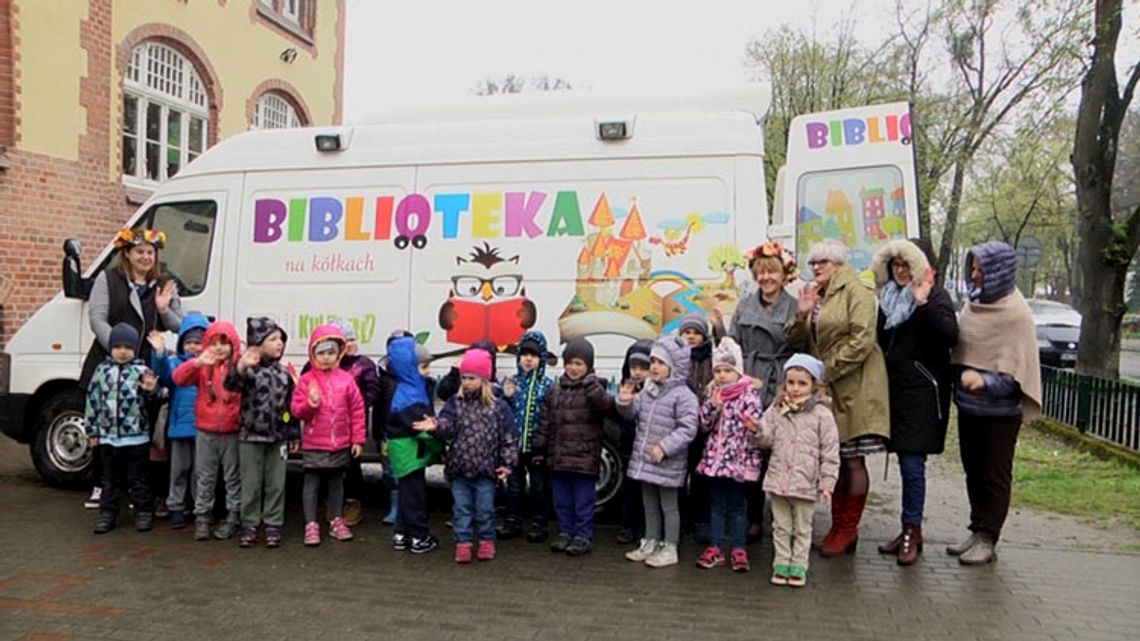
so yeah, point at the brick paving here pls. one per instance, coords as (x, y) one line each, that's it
(58, 581)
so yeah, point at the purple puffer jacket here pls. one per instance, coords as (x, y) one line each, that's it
(805, 450)
(480, 438)
(730, 452)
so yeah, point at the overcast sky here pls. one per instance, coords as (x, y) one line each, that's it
(402, 53)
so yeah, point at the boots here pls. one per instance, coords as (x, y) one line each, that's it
(847, 535)
(892, 546)
(394, 502)
(911, 545)
(838, 501)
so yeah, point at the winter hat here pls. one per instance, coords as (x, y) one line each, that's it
(728, 353)
(423, 355)
(662, 354)
(530, 346)
(327, 344)
(808, 363)
(581, 349)
(124, 334)
(346, 328)
(194, 334)
(477, 362)
(639, 358)
(257, 329)
(696, 322)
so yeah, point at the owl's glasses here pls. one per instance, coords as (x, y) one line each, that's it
(473, 286)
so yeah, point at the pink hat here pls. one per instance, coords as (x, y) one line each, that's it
(477, 362)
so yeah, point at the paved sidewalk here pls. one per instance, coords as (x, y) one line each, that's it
(58, 581)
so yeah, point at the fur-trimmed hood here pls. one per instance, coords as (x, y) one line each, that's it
(898, 248)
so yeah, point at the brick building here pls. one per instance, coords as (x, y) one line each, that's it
(102, 100)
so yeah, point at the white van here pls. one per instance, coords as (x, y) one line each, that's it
(567, 214)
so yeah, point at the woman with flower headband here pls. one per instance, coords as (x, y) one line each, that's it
(131, 291)
(758, 326)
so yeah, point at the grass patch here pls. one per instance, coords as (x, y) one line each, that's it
(1053, 476)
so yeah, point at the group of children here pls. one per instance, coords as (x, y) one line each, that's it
(243, 413)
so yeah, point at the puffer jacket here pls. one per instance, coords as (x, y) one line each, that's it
(337, 421)
(409, 401)
(216, 409)
(481, 438)
(730, 452)
(266, 390)
(180, 421)
(667, 415)
(805, 450)
(116, 412)
(570, 426)
(531, 389)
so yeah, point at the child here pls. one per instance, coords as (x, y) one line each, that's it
(329, 402)
(267, 433)
(481, 430)
(666, 412)
(216, 413)
(525, 391)
(410, 452)
(449, 384)
(569, 440)
(180, 430)
(804, 466)
(367, 378)
(694, 329)
(730, 458)
(115, 421)
(634, 370)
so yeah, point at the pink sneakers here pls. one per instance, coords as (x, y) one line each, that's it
(740, 560)
(462, 552)
(486, 550)
(338, 529)
(312, 533)
(710, 558)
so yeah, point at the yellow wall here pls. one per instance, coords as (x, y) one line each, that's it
(49, 68)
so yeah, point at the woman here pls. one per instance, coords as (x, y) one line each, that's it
(758, 327)
(835, 320)
(999, 386)
(130, 291)
(917, 329)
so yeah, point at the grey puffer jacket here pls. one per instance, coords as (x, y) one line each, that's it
(667, 415)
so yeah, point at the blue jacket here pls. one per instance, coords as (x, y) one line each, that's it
(180, 421)
(531, 388)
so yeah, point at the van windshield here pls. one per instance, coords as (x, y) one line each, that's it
(189, 228)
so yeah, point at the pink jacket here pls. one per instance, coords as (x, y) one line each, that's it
(730, 452)
(338, 420)
(805, 450)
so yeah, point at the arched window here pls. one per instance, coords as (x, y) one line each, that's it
(165, 113)
(273, 111)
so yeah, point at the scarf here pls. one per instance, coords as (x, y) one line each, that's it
(734, 390)
(897, 304)
(1000, 337)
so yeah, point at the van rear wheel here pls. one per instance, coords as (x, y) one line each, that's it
(60, 449)
(610, 474)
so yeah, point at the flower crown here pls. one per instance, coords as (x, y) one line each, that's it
(134, 237)
(774, 249)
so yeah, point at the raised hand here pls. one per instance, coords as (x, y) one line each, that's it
(250, 358)
(314, 396)
(509, 387)
(716, 317)
(920, 287)
(164, 295)
(156, 341)
(809, 298)
(208, 357)
(625, 393)
(148, 381)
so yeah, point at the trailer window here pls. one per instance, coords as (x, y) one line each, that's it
(861, 207)
(189, 228)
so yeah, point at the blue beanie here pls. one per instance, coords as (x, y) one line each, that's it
(124, 334)
(810, 364)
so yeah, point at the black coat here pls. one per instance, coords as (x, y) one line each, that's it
(569, 431)
(921, 379)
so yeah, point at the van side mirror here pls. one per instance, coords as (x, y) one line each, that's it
(74, 284)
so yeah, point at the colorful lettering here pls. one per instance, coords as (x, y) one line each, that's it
(484, 215)
(324, 216)
(451, 206)
(384, 204)
(521, 212)
(413, 207)
(268, 216)
(354, 220)
(858, 131)
(567, 217)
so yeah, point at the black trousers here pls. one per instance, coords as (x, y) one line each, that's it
(412, 514)
(125, 468)
(528, 492)
(987, 444)
(695, 502)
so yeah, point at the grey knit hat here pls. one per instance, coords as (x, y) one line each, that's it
(696, 322)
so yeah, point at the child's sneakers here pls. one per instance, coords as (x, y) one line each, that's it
(177, 520)
(711, 558)
(424, 545)
(312, 533)
(561, 542)
(104, 522)
(144, 521)
(463, 552)
(665, 556)
(740, 560)
(248, 537)
(272, 536)
(643, 551)
(95, 500)
(797, 576)
(339, 530)
(579, 546)
(201, 529)
(780, 574)
(486, 551)
(229, 527)
(400, 542)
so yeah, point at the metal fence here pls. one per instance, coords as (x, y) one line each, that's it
(1100, 407)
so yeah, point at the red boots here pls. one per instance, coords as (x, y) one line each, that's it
(846, 512)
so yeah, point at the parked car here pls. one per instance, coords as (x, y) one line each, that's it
(1058, 332)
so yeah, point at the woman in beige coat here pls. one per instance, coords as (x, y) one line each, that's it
(835, 320)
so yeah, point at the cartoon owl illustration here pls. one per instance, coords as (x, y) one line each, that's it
(487, 300)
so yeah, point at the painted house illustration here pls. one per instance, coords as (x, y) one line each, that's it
(874, 211)
(839, 209)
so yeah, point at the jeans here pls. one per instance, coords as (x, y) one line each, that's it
(913, 470)
(661, 502)
(528, 490)
(474, 500)
(575, 499)
(728, 503)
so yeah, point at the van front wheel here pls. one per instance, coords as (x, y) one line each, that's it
(60, 450)
(611, 473)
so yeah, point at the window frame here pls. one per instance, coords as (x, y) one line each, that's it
(293, 116)
(147, 221)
